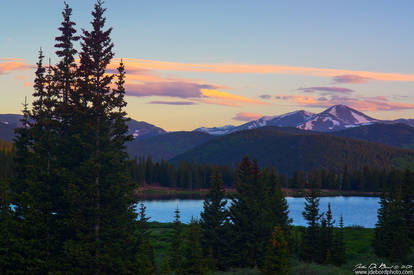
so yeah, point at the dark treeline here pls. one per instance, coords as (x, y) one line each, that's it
(194, 176)
(185, 175)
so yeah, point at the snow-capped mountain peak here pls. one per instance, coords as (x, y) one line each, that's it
(336, 118)
(291, 119)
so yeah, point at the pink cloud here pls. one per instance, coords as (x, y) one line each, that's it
(378, 103)
(8, 65)
(350, 78)
(244, 116)
(168, 89)
(232, 68)
(173, 102)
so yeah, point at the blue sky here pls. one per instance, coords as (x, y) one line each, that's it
(205, 63)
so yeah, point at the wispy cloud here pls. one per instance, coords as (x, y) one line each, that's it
(243, 116)
(350, 79)
(173, 102)
(201, 93)
(220, 95)
(266, 97)
(326, 90)
(379, 103)
(168, 89)
(233, 68)
(8, 65)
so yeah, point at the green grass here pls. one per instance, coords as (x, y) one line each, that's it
(358, 243)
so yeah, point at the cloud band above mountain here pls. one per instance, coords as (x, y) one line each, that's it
(378, 103)
(339, 75)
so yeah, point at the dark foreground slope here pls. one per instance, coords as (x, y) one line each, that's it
(299, 150)
(168, 145)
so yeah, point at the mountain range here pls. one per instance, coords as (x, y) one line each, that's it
(335, 118)
(335, 126)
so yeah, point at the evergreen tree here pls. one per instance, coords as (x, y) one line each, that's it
(338, 246)
(65, 70)
(407, 189)
(276, 204)
(33, 188)
(176, 258)
(193, 261)
(145, 263)
(401, 244)
(311, 235)
(212, 219)
(277, 256)
(391, 231)
(382, 237)
(10, 246)
(326, 236)
(248, 216)
(100, 194)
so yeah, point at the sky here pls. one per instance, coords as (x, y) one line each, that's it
(211, 63)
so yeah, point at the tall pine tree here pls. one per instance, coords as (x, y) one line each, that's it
(213, 218)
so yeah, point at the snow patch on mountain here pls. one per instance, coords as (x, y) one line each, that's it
(215, 131)
(359, 118)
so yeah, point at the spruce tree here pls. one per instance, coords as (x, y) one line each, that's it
(193, 261)
(382, 238)
(10, 244)
(277, 256)
(391, 231)
(176, 258)
(34, 189)
(407, 189)
(212, 219)
(100, 194)
(338, 256)
(311, 235)
(144, 260)
(248, 216)
(276, 204)
(401, 244)
(326, 236)
(66, 68)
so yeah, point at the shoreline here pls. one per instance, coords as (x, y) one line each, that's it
(159, 192)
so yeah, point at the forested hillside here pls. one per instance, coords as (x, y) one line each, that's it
(399, 135)
(167, 146)
(297, 151)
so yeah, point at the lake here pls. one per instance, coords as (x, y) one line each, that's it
(360, 211)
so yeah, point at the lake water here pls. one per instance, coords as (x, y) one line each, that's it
(360, 211)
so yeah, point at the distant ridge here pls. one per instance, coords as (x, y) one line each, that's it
(334, 118)
(296, 149)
